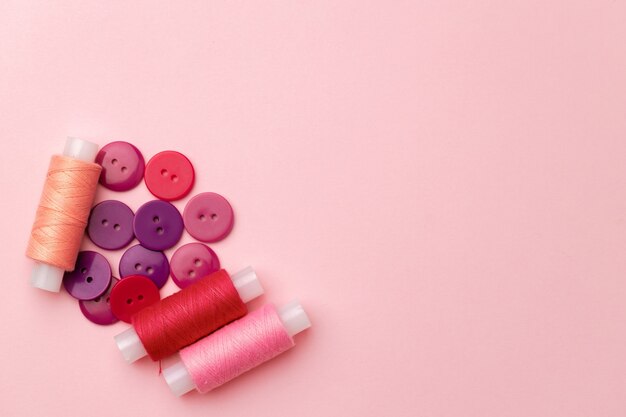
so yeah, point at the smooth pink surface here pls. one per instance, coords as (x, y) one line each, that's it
(441, 183)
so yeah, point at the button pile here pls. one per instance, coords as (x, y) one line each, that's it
(157, 225)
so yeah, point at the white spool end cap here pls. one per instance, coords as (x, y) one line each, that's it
(294, 318)
(130, 345)
(46, 277)
(247, 284)
(80, 149)
(178, 379)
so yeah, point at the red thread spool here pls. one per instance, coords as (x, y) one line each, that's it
(190, 314)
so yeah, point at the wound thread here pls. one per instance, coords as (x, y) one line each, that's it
(236, 348)
(184, 317)
(63, 212)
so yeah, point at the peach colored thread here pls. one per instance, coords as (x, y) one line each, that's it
(63, 212)
(234, 349)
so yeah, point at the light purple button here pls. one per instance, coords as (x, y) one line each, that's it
(138, 260)
(98, 310)
(122, 166)
(191, 262)
(111, 225)
(158, 225)
(90, 278)
(208, 217)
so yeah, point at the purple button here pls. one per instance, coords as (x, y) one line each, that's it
(208, 217)
(122, 166)
(111, 225)
(98, 310)
(90, 278)
(138, 260)
(158, 225)
(191, 262)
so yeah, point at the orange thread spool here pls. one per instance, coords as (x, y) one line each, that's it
(62, 214)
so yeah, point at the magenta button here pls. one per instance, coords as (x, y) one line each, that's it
(99, 310)
(90, 278)
(111, 225)
(208, 217)
(138, 260)
(191, 262)
(158, 225)
(122, 166)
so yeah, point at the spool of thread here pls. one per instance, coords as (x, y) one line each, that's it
(167, 326)
(236, 348)
(62, 213)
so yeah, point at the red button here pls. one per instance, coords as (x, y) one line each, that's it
(132, 294)
(169, 175)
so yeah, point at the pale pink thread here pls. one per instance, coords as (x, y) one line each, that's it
(236, 348)
(63, 212)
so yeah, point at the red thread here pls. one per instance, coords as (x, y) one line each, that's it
(188, 315)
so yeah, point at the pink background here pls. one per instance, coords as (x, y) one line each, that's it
(441, 183)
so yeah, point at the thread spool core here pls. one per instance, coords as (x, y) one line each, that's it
(130, 345)
(247, 284)
(48, 277)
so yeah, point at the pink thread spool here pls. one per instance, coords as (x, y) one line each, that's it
(47, 276)
(221, 364)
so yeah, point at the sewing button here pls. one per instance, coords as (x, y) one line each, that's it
(169, 175)
(90, 278)
(158, 225)
(98, 310)
(132, 294)
(122, 166)
(111, 225)
(208, 217)
(138, 260)
(191, 262)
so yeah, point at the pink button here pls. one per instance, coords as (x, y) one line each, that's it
(122, 166)
(192, 262)
(208, 217)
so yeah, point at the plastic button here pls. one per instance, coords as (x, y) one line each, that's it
(138, 260)
(169, 175)
(191, 262)
(132, 294)
(208, 217)
(90, 278)
(122, 166)
(158, 225)
(111, 225)
(98, 310)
